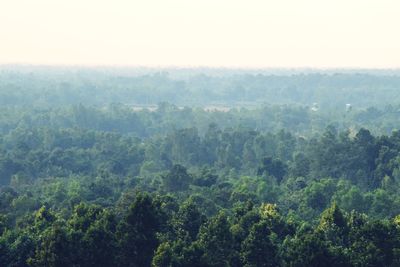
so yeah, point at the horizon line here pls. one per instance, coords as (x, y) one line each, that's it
(183, 66)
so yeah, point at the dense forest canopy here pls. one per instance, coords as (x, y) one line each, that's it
(138, 167)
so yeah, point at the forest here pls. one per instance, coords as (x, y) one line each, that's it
(133, 168)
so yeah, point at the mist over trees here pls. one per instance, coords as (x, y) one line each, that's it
(54, 87)
(138, 167)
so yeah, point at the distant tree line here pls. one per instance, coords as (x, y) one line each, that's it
(41, 87)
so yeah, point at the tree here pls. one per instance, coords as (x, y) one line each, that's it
(216, 241)
(137, 233)
(188, 219)
(257, 248)
(54, 249)
(177, 179)
(164, 256)
(307, 249)
(274, 167)
(333, 226)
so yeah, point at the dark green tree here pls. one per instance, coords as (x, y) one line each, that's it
(257, 248)
(137, 233)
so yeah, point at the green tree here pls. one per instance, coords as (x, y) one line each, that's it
(216, 241)
(54, 249)
(137, 233)
(257, 248)
(177, 179)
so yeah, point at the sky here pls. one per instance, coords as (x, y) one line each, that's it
(214, 33)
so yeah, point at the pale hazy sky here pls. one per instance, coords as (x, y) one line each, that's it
(245, 33)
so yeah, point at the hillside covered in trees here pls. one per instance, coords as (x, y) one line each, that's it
(123, 168)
